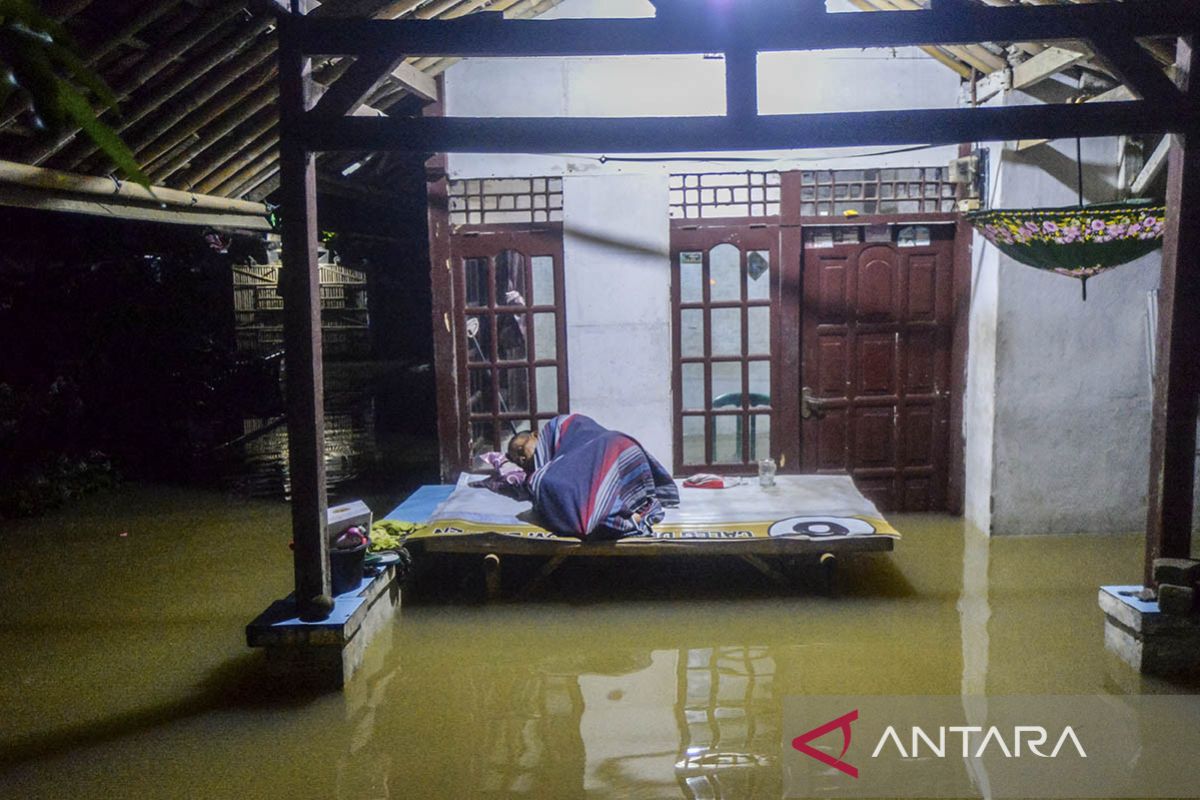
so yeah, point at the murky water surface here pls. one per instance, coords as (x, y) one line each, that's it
(125, 672)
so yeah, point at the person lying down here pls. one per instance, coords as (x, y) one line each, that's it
(588, 481)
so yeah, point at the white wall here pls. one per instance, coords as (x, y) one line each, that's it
(979, 405)
(689, 85)
(1057, 402)
(617, 234)
(616, 252)
(1072, 425)
(1062, 444)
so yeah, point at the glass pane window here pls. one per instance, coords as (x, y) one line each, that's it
(543, 281)
(477, 282)
(856, 191)
(691, 277)
(693, 386)
(725, 273)
(723, 308)
(726, 331)
(545, 332)
(510, 325)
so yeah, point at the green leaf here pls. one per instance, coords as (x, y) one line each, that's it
(80, 71)
(35, 74)
(77, 108)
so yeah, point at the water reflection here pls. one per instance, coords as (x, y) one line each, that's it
(729, 721)
(690, 722)
(632, 680)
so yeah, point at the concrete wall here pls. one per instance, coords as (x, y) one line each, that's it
(690, 85)
(1072, 424)
(617, 231)
(979, 404)
(616, 254)
(1062, 443)
(1057, 402)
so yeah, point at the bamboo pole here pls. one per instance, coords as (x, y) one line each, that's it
(235, 149)
(153, 143)
(210, 179)
(252, 175)
(98, 51)
(58, 181)
(197, 70)
(173, 154)
(255, 61)
(175, 48)
(147, 69)
(265, 95)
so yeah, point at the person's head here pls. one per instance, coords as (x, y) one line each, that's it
(521, 449)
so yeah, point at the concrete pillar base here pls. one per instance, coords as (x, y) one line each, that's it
(1148, 640)
(325, 654)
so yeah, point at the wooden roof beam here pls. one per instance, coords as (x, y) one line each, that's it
(1136, 68)
(350, 92)
(975, 56)
(703, 134)
(1153, 168)
(1114, 95)
(414, 81)
(58, 182)
(489, 35)
(1045, 64)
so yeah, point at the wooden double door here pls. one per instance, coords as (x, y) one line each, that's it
(861, 352)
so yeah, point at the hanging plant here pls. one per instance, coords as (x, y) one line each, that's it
(38, 60)
(1078, 242)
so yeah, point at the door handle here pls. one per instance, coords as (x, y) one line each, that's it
(810, 407)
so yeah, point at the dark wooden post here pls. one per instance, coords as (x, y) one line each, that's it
(300, 280)
(741, 83)
(1176, 384)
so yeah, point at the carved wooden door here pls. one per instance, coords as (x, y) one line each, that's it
(876, 330)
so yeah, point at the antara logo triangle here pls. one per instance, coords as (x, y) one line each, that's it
(801, 743)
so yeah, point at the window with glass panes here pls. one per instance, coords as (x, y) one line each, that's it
(723, 293)
(511, 331)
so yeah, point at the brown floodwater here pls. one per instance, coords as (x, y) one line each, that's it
(125, 670)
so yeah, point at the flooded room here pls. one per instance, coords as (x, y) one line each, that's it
(702, 399)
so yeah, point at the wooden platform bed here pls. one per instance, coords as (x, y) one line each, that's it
(811, 518)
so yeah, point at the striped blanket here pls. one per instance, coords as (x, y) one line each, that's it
(595, 483)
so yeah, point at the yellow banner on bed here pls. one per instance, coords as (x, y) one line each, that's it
(810, 528)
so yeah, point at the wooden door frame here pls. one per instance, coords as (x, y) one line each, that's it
(952, 249)
(792, 224)
(786, 325)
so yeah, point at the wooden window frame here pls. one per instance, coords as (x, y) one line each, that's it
(488, 242)
(787, 230)
(747, 238)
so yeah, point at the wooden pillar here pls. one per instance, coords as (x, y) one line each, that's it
(741, 83)
(1177, 370)
(453, 449)
(300, 279)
